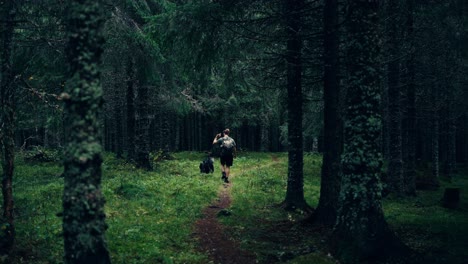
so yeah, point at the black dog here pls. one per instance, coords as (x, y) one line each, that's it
(206, 166)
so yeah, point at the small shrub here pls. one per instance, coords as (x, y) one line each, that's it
(130, 191)
(41, 154)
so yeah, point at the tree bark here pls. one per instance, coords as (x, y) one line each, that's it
(177, 133)
(295, 187)
(118, 131)
(395, 166)
(435, 136)
(142, 129)
(131, 114)
(449, 161)
(264, 135)
(7, 126)
(361, 232)
(411, 136)
(83, 202)
(330, 183)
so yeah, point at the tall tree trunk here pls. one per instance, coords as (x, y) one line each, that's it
(118, 131)
(361, 232)
(165, 133)
(199, 137)
(46, 138)
(330, 183)
(449, 149)
(295, 187)
(131, 114)
(433, 181)
(191, 128)
(395, 166)
(7, 126)
(251, 138)
(142, 129)
(177, 133)
(411, 137)
(435, 147)
(264, 135)
(83, 202)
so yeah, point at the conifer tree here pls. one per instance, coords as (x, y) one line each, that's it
(295, 187)
(7, 125)
(395, 166)
(83, 213)
(330, 174)
(361, 232)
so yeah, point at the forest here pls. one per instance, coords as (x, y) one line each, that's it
(350, 122)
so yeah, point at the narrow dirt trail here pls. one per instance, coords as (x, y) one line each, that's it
(210, 234)
(212, 238)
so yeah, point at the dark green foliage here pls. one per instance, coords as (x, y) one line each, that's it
(159, 225)
(175, 73)
(131, 191)
(41, 154)
(83, 212)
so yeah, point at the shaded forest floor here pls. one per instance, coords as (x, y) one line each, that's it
(212, 237)
(152, 216)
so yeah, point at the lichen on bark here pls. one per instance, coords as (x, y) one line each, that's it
(83, 203)
(361, 232)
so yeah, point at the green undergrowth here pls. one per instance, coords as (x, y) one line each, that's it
(438, 233)
(257, 219)
(151, 214)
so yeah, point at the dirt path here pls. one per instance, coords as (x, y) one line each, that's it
(211, 236)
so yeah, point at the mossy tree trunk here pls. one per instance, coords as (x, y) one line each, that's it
(7, 125)
(295, 187)
(361, 232)
(332, 141)
(83, 202)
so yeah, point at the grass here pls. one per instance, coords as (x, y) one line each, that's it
(151, 214)
(259, 223)
(439, 233)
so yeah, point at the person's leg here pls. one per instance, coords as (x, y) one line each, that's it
(223, 171)
(227, 168)
(229, 162)
(223, 168)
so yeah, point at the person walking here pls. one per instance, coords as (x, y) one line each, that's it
(227, 152)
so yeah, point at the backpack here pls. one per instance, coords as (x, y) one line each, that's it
(227, 146)
(206, 166)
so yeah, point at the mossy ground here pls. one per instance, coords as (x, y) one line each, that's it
(151, 214)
